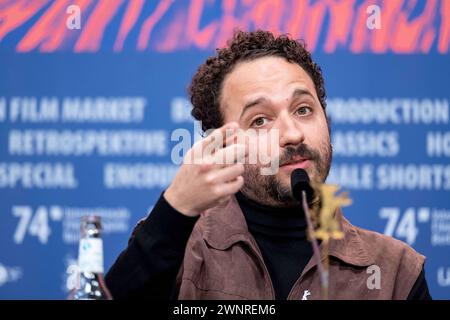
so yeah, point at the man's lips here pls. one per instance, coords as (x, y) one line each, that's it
(301, 163)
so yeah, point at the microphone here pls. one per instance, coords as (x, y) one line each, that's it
(300, 182)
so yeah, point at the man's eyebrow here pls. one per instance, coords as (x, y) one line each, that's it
(252, 103)
(297, 93)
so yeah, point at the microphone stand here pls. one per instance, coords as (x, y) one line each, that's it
(323, 271)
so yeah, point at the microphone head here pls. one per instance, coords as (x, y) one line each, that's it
(300, 182)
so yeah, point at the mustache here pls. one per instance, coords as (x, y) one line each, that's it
(292, 154)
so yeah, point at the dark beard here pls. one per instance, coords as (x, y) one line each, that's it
(269, 190)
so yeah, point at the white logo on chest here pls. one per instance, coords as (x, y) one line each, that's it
(306, 293)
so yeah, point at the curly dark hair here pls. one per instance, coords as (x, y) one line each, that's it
(206, 85)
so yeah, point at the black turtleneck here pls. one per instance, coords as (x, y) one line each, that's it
(281, 236)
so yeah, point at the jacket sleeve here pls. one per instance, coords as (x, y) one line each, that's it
(148, 267)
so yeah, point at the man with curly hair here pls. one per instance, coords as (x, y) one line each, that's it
(223, 230)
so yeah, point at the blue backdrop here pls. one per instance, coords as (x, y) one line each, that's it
(90, 92)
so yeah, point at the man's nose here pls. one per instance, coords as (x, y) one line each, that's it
(290, 130)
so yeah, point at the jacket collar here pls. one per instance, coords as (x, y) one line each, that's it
(225, 225)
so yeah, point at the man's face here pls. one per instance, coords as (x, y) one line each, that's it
(273, 94)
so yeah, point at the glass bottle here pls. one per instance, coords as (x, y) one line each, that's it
(90, 284)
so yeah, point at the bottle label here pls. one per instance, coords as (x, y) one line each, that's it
(90, 257)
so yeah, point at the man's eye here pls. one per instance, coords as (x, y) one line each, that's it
(304, 110)
(258, 122)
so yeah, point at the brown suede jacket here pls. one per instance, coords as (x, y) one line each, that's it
(222, 261)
